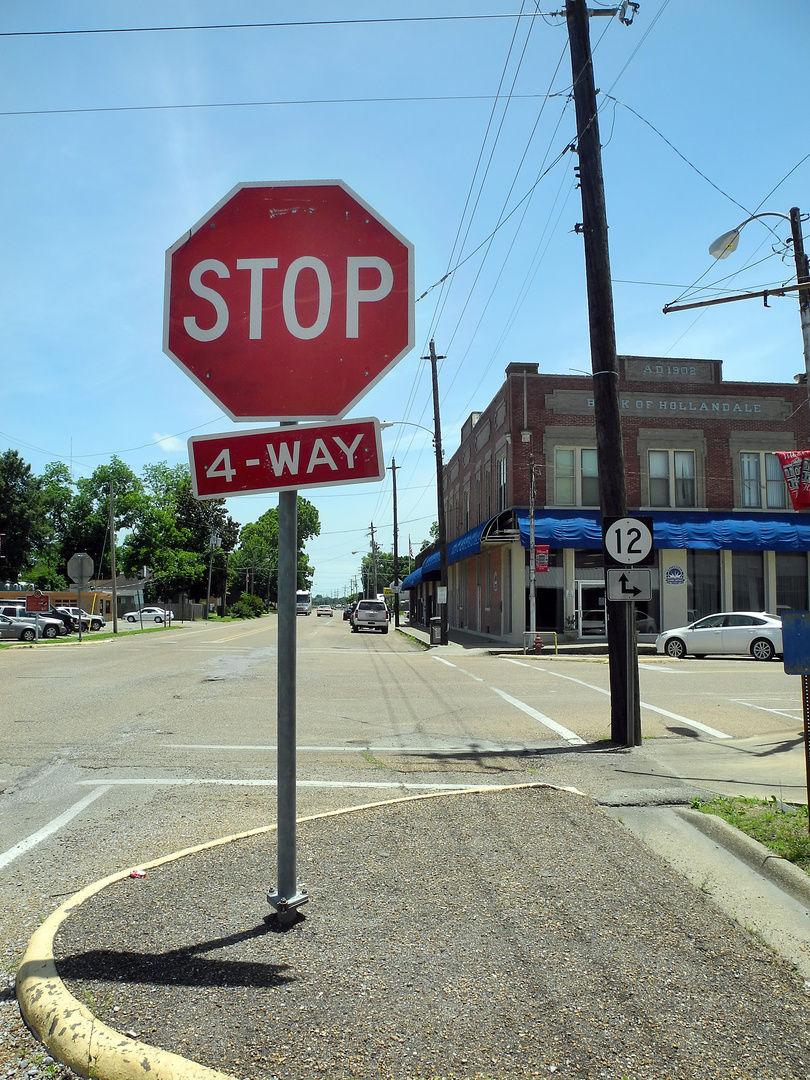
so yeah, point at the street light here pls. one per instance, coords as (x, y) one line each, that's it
(405, 423)
(723, 246)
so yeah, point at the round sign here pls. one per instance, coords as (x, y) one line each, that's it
(289, 301)
(628, 541)
(674, 575)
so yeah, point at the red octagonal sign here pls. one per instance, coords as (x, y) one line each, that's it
(288, 301)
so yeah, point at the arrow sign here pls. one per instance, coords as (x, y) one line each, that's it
(627, 588)
(629, 585)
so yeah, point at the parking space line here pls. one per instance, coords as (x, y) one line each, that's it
(53, 826)
(569, 736)
(795, 715)
(643, 704)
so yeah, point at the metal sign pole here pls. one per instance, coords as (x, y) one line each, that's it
(806, 715)
(287, 896)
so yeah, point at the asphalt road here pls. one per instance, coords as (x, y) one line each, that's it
(121, 750)
(186, 716)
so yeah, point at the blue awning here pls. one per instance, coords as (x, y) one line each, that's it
(460, 548)
(719, 530)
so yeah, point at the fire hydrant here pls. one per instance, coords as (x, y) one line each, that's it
(538, 644)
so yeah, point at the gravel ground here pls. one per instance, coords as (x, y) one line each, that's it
(20, 1053)
(499, 934)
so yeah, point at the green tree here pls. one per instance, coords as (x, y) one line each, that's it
(256, 559)
(172, 533)
(22, 519)
(385, 570)
(49, 570)
(434, 536)
(86, 522)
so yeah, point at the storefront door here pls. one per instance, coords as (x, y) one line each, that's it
(591, 609)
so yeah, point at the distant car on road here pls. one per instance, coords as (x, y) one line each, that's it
(324, 609)
(727, 632)
(370, 615)
(150, 614)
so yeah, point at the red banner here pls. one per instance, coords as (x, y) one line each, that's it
(796, 467)
(540, 558)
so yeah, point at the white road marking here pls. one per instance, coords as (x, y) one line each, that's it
(271, 782)
(467, 748)
(563, 732)
(52, 826)
(643, 704)
(469, 674)
(776, 712)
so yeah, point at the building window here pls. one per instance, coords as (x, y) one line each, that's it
(576, 477)
(763, 482)
(791, 581)
(500, 465)
(467, 509)
(703, 582)
(748, 584)
(672, 477)
(488, 491)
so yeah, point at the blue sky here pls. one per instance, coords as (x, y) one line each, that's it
(444, 126)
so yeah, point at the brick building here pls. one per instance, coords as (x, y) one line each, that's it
(699, 458)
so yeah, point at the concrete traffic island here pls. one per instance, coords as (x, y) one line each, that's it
(506, 932)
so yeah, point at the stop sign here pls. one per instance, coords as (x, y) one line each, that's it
(288, 301)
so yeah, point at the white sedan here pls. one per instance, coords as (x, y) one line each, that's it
(324, 609)
(150, 614)
(753, 632)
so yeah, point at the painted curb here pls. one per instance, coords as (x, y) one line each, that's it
(70, 1031)
(789, 878)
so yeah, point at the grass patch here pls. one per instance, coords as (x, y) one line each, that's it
(780, 827)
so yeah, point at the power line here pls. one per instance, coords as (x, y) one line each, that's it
(259, 104)
(266, 25)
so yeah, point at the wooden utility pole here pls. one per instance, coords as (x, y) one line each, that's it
(393, 466)
(437, 439)
(113, 571)
(625, 717)
(374, 563)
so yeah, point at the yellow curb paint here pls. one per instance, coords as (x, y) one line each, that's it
(70, 1031)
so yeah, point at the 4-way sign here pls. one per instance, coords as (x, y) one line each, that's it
(286, 458)
(289, 301)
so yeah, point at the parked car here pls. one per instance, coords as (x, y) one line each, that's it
(88, 621)
(49, 627)
(66, 620)
(150, 614)
(593, 622)
(728, 632)
(18, 629)
(348, 611)
(324, 609)
(370, 615)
